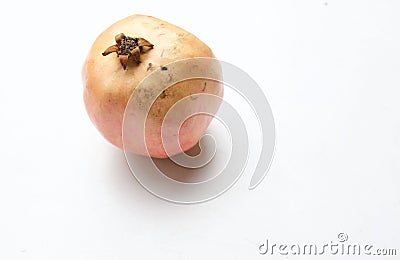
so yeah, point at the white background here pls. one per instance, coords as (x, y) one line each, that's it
(330, 70)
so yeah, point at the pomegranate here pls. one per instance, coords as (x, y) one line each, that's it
(121, 57)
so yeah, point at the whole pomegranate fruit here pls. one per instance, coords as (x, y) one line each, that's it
(121, 57)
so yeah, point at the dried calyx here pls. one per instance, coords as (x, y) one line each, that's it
(127, 48)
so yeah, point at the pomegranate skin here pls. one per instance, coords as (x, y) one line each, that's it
(108, 87)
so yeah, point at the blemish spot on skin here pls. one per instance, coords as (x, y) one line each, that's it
(149, 66)
(164, 68)
(163, 94)
(204, 88)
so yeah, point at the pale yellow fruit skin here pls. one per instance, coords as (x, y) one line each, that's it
(107, 87)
